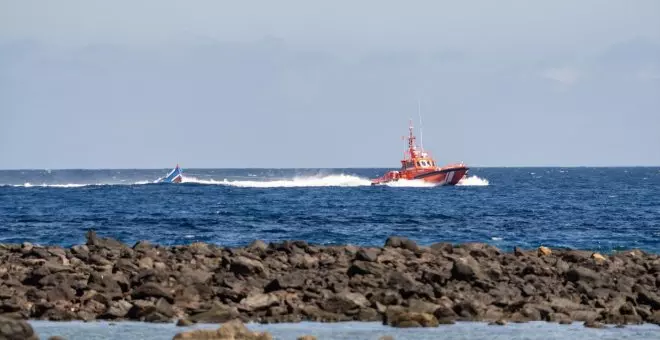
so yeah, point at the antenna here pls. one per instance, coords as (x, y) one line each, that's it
(421, 132)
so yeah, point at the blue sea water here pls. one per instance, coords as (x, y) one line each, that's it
(354, 331)
(602, 209)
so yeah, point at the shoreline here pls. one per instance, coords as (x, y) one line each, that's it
(399, 284)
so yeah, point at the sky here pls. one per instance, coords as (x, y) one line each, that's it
(295, 84)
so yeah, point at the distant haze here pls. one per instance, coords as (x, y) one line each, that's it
(148, 84)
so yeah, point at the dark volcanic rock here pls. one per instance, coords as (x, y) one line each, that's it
(401, 283)
(245, 266)
(467, 269)
(285, 282)
(401, 242)
(16, 330)
(152, 290)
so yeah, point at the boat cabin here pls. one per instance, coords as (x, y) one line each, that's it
(420, 163)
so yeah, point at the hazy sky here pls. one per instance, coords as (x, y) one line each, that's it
(135, 84)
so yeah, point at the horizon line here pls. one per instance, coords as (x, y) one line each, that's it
(337, 168)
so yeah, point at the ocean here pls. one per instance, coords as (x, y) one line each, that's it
(600, 209)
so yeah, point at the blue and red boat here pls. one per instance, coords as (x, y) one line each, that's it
(174, 176)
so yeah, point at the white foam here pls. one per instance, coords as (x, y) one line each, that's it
(68, 185)
(341, 180)
(411, 183)
(473, 181)
(336, 180)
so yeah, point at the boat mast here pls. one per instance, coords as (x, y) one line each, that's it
(421, 131)
(411, 142)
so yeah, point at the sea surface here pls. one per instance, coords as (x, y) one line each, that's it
(355, 331)
(603, 209)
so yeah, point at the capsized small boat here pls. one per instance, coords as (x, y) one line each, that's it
(174, 176)
(417, 164)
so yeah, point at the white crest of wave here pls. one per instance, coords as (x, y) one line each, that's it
(341, 180)
(69, 185)
(473, 181)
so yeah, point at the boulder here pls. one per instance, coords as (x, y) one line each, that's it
(245, 266)
(406, 319)
(367, 254)
(16, 330)
(151, 289)
(544, 251)
(293, 281)
(401, 242)
(586, 275)
(466, 269)
(345, 302)
(365, 268)
(217, 314)
(117, 310)
(259, 301)
(232, 330)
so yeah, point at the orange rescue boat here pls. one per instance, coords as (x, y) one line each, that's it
(418, 164)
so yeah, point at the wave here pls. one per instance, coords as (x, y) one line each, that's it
(68, 185)
(473, 181)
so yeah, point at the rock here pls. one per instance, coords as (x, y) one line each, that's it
(407, 319)
(117, 310)
(56, 337)
(593, 324)
(368, 255)
(151, 289)
(365, 268)
(217, 314)
(16, 330)
(544, 251)
(500, 322)
(655, 318)
(259, 301)
(306, 337)
(287, 281)
(386, 337)
(184, 323)
(401, 242)
(304, 261)
(345, 302)
(587, 275)
(245, 266)
(598, 257)
(420, 306)
(232, 330)
(258, 245)
(466, 269)
(146, 263)
(109, 243)
(646, 297)
(576, 256)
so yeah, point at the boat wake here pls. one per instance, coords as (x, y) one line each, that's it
(473, 181)
(336, 180)
(341, 180)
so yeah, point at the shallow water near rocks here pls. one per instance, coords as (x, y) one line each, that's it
(352, 330)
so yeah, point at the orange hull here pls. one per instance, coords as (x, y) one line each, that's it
(449, 175)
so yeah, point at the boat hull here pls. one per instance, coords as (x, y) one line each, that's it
(449, 175)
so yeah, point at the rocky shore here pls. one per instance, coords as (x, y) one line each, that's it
(401, 284)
